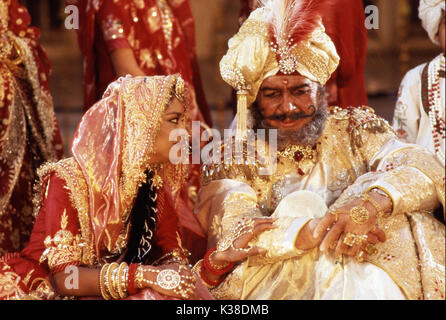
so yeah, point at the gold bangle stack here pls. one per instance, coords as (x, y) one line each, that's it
(104, 293)
(113, 280)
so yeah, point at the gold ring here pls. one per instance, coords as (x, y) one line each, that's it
(351, 239)
(336, 214)
(371, 249)
(360, 256)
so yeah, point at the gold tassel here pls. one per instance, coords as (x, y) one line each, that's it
(242, 115)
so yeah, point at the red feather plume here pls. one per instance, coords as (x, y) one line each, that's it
(295, 19)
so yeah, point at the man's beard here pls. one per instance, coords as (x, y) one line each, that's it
(307, 135)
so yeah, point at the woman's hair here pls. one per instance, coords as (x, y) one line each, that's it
(142, 222)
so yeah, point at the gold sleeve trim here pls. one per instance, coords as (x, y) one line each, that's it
(68, 170)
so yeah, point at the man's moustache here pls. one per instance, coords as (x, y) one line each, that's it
(292, 116)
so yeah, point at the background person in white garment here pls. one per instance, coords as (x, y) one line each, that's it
(420, 108)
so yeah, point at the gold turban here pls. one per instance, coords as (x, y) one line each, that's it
(256, 53)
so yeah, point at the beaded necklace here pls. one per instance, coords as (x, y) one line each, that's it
(434, 96)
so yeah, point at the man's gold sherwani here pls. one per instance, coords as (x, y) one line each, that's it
(356, 152)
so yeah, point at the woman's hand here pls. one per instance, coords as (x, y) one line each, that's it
(174, 280)
(305, 239)
(236, 248)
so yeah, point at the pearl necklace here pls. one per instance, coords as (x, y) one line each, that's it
(434, 94)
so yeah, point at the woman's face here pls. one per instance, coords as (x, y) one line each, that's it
(173, 118)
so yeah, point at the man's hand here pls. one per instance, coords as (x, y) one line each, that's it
(305, 239)
(339, 224)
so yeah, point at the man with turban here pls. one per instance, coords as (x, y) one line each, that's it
(419, 111)
(344, 23)
(343, 209)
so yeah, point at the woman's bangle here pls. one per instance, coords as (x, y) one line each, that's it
(209, 283)
(121, 280)
(110, 280)
(131, 287)
(102, 286)
(113, 281)
(218, 271)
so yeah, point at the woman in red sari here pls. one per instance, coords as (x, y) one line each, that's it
(109, 211)
(139, 37)
(29, 133)
(142, 37)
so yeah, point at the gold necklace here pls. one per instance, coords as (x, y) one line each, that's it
(299, 153)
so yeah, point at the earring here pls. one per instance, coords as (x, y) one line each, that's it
(157, 181)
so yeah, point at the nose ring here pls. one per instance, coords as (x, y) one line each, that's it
(292, 107)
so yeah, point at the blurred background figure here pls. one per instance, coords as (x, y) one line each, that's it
(29, 132)
(345, 24)
(143, 37)
(419, 111)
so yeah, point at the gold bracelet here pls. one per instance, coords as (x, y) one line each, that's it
(379, 211)
(110, 284)
(107, 281)
(120, 281)
(102, 287)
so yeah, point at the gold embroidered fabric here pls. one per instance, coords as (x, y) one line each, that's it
(353, 154)
(10, 283)
(21, 115)
(63, 248)
(69, 171)
(429, 236)
(423, 165)
(112, 28)
(398, 256)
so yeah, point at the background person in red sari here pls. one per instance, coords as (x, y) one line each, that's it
(109, 210)
(139, 37)
(29, 133)
(345, 24)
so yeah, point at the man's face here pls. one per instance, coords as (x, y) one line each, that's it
(287, 102)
